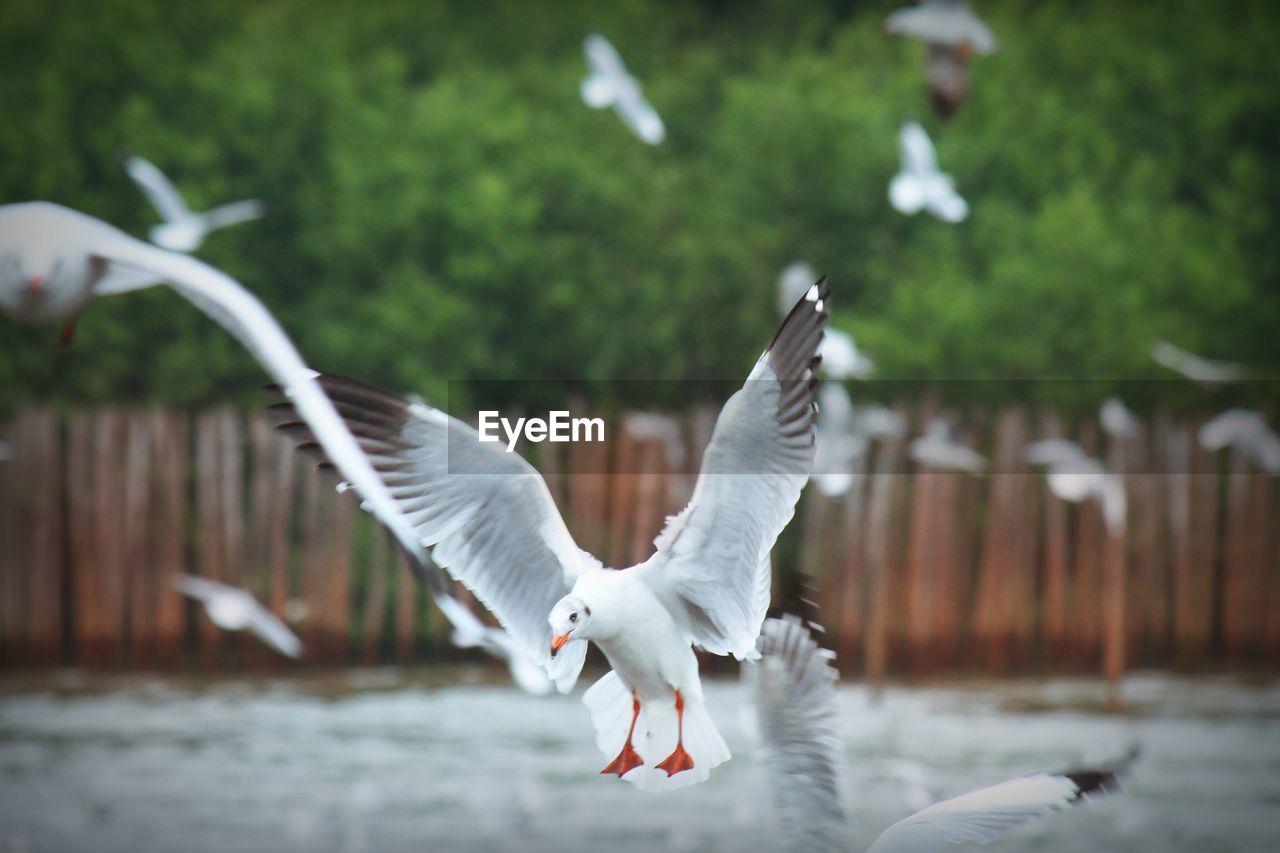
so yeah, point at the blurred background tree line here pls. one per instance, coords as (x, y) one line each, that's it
(441, 205)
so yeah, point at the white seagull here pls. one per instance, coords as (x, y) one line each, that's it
(937, 449)
(53, 259)
(1117, 420)
(795, 698)
(490, 521)
(1246, 432)
(950, 23)
(877, 422)
(609, 84)
(839, 443)
(921, 185)
(235, 609)
(1075, 476)
(184, 230)
(1195, 368)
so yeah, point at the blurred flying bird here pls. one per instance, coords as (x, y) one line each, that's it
(877, 422)
(1194, 367)
(920, 185)
(73, 252)
(1075, 476)
(950, 23)
(609, 84)
(794, 688)
(1117, 420)
(708, 583)
(839, 445)
(937, 449)
(952, 34)
(796, 278)
(1245, 432)
(182, 229)
(841, 358)
(233, 609)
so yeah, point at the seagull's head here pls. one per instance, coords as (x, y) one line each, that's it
(571, 617)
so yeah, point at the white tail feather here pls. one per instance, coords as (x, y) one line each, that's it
(610, 704)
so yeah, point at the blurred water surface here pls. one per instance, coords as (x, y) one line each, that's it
(377, 760)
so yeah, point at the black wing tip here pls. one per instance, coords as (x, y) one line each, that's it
(822, 312)
(1104, 780)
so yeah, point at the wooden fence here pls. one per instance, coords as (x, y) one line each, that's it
(915, 571)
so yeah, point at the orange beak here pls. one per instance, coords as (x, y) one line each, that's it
(558, 641)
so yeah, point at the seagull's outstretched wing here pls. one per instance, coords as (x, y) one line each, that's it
(470, 633)
(273, 632)
(916, 148)
(486, 515)
(234, 212)
(164, 197)
(712, 566)
(947, 22)
(795, 703)
(258, 619)
(982, 816)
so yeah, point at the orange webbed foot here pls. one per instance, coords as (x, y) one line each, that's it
(677, 762)
(626, 761)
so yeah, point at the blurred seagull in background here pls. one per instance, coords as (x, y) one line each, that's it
(920, 185)
(950, 23)
(489, 520)
(1194, 367)
(1245, 432)
(839, 445)
(233, 609)
(609, 84)
(794, 687)
(797, 277)
(74, 257)
(953, 34)
(1074, 476)
(877, 422)
(1117, 420)
(937, 449)
(182, 229)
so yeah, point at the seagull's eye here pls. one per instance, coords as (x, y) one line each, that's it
(573, 617)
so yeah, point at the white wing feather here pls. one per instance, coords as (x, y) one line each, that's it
(712, 566)
(160, 191)
(794, 689)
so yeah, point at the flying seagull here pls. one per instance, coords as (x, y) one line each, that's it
(920, 185)
(490, 521)
(949, 23)
(53, 259)
(952, 34)
(1075, 476)
(182, 229)
(1117, 420)
(609, 85)
(795, 698)
(937, 449)
(840, 445)
(1194, 367)
(235, 609)
(1246, 432)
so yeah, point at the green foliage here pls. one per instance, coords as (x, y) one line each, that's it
(442, 206)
